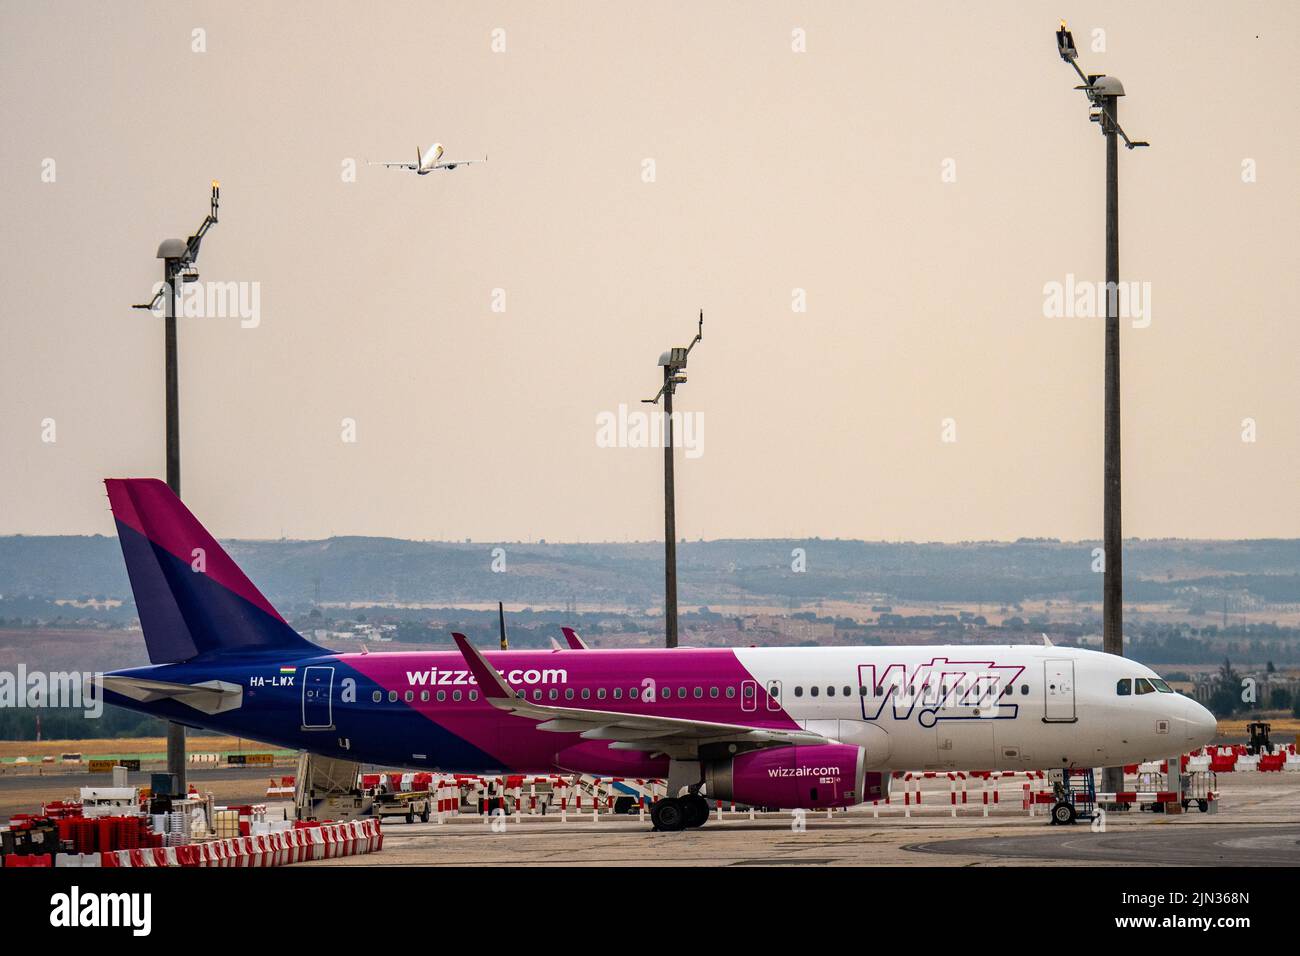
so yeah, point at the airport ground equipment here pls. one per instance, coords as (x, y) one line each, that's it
(109, 801)
(1259, 742)
(619, 794)
(540, 795)
(409, 805)
(1200, 787)
(325, 788)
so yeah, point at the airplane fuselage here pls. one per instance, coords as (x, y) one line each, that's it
(909, 708)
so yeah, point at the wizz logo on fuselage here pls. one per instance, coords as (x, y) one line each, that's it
(939, 690)
(434, 677)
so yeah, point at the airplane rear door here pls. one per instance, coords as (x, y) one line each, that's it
(317, 698)
(1058, 692)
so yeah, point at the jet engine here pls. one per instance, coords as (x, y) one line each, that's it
(799, 776)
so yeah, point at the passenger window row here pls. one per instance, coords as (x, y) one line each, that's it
(714, 693)
(409, 696)
(601, 693)
(895, 691)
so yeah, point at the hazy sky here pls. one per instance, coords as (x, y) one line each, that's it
(922, 172)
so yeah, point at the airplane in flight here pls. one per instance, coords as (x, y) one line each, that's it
(789, 727)
(429, 160)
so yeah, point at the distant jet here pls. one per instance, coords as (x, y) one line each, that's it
(428, 161)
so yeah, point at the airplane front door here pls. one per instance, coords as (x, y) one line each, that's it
(318, 698)
(1058, 692)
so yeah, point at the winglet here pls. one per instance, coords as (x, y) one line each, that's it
(1047, 641)
(494, 686)
(576, 643)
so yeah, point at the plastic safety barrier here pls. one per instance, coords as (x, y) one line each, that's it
(314, 841)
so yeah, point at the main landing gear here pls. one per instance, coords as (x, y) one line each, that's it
(680, 813)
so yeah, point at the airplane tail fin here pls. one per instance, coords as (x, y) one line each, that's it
(419, 159)
(192, 598)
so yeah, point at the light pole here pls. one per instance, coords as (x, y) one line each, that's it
(674, 365)
(1103, 94)
(179, 257)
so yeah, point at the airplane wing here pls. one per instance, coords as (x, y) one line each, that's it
(208, 697)
(675, 736)
(397, 165)
(575, 642)
(456, 162)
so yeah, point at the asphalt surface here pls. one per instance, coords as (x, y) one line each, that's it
(1258, 824)
(1220, 845)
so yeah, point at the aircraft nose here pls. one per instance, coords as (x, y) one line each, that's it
(1202, 726)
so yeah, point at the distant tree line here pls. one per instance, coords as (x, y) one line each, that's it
(65, 723)
(1227, 697)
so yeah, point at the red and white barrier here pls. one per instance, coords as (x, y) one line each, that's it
(960, 796)
(1234, 758)
(1136, 796)
(283, 847)
(282, 790)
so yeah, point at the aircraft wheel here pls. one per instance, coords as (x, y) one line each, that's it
(695, 810)
(1063, 813)
(668, 815)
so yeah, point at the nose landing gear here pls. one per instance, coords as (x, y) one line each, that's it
(1063, 813)
(1076, 795)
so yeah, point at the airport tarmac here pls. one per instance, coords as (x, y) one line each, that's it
(1258, 825)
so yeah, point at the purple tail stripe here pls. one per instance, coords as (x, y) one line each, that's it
(148, 506)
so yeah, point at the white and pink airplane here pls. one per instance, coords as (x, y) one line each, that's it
(428, 160)
(779, 727)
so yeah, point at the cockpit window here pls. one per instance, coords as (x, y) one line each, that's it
(1143, 686)
(1162, 686)
(1124, 688)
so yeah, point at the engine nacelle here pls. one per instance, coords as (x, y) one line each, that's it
(808, 777)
